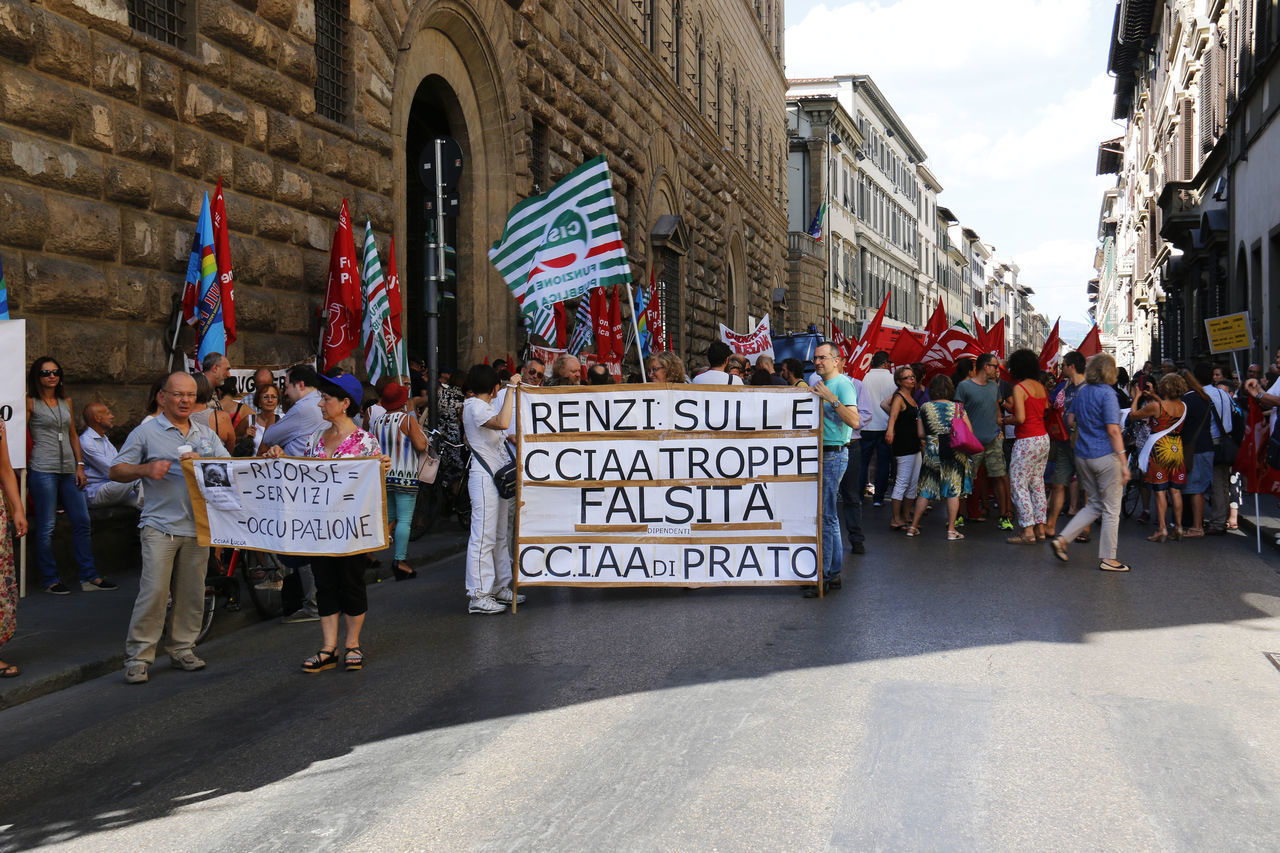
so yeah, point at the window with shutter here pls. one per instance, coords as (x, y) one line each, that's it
(1208, 73)
(1188, 144)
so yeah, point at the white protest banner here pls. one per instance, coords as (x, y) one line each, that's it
(668, 485)
(13, 389)
(243, 376)
(756, 343)
(308, 507)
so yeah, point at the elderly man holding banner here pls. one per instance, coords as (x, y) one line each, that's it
(839, 419)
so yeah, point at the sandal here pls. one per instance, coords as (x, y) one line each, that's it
(913, 531)
(9, 670)
(1158, 536)
(1194, 533)
(1021, 540)
(1059, 546)
(353, 659)
(321, 660)
(1231, 526)
(954, 535)
(1107, 567)
(893, 526)
(1083, 537)
(1176, 534)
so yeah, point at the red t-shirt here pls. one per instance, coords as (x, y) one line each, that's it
(1033, 422)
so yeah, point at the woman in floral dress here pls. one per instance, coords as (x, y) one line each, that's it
(339, 580)
(940, 479)
(8, 577)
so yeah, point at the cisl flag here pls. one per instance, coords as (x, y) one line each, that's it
(560, 245)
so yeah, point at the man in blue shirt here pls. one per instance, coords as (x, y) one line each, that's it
(839, 418)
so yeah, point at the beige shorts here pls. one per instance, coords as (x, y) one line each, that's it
(992, 456)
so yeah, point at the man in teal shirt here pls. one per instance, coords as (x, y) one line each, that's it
(839, 419)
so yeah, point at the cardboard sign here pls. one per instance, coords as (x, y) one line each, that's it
(307, 507)
(13, 389)
(668, 485)
(1229, 333)
(755, 343)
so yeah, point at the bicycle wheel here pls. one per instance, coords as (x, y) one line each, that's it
(426, 510)
(462, 506)
(1130, 499)
(263, 575)
(206, 615)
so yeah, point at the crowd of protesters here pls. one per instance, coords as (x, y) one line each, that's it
(1053, 445)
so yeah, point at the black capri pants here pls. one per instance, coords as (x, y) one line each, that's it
(340, 585)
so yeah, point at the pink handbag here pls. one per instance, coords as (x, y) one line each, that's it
(962, 438)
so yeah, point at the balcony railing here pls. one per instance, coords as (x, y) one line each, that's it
(801, 243)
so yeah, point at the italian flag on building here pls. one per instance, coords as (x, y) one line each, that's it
(560, 245)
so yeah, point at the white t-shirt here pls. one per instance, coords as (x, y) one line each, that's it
(716, 377)
(488, 444)
(1274, 391)
(878, 386)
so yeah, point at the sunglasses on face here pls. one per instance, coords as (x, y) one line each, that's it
(533, 374)
(51, 373)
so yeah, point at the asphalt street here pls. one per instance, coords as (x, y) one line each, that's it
(952, 696)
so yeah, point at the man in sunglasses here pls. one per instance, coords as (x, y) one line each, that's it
(533, 371)
(840, 417)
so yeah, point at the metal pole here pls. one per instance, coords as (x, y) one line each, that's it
(1257, 521)
(635, 324)
(433, 300)
(22, 544)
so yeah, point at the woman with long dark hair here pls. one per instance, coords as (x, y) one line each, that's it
(56, 474)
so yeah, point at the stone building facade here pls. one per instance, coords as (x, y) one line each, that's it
(113, 125)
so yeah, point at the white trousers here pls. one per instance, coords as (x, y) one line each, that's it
(908, 475)
(488, 552)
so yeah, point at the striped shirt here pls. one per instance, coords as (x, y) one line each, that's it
(385, 427)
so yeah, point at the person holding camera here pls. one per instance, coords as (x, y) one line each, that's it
(1162, 456)
(488, 552)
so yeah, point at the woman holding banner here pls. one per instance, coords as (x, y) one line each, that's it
(8, 577)
(488, 552)
(339, 580)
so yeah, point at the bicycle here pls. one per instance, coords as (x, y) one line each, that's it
(443, 498)
(263, 575)
(1131, 499)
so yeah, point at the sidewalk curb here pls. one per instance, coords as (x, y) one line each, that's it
(73, 674)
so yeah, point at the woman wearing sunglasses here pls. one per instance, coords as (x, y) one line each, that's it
(57, 474)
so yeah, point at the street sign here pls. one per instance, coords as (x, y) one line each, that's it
(449, 169)
(1229, 332)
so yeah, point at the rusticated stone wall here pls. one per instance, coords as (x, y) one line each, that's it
(108, 140)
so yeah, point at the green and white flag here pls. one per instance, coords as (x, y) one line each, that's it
(560, 245)
(379, 338)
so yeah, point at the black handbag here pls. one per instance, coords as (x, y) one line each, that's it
(504, 479)
(1226, 448)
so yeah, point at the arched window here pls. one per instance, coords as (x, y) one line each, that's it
(746, 140)
(701, 74)
(719, 104)
(733, 113)
(677, 42)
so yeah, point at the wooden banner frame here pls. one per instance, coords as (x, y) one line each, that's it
(200, 509)
(637, 533)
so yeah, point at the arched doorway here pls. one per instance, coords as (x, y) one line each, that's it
(434, 112)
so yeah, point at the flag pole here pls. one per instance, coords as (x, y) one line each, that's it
(22, 544)
(635, 324)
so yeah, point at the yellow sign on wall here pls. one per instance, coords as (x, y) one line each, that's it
(1229, 332)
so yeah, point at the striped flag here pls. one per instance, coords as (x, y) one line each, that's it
(643, 295)
(203, 268)
(4, 296)
(583, 331)
(560, 245)
(377, 333)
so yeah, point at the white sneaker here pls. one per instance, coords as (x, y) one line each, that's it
(486, 604)
(506, 596)
(136, 673)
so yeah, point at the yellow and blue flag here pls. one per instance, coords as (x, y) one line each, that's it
(202, 273)
(4, 296)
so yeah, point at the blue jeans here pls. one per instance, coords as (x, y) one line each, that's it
(873, 446)
(46, 490)
(851, 486)
(400, 515)
(833, 467)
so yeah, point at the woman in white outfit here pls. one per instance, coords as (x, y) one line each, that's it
(488, 552)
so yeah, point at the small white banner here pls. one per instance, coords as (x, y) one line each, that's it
(13, 388)
(668, 485)
(307, 507)
(755, 343)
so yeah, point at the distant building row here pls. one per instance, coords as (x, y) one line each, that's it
(1191, 229)
(883, 232)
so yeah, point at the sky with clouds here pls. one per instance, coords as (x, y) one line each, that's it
(1009, 98)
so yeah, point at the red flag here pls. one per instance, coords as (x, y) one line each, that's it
(859, 361)
(980, 334)
(908, 348)
(838, 338)
(1049, 353)
(1092, 344)
(995, 338)
(1251, 461)
(937, 325)
(653, 311)
(222, 252)
(600, 320)
(394, 297)
(615, 323)
(343, 297)
(954, 344)
(562, 325)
